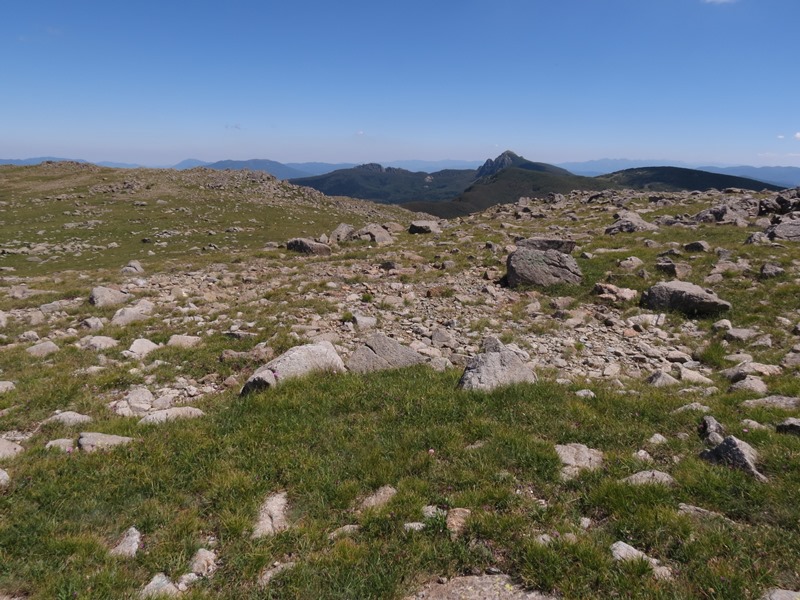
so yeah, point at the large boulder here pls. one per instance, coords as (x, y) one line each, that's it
(629, 222)
(543, 268)
(295, 362)
(424, 227)
(373, 232)
(308, 246)
(538, 243)
(684, 297)
(103, 296)
(733, 452)
(491, 370)
(381, 352)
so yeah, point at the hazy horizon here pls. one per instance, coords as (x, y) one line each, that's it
(698, 81)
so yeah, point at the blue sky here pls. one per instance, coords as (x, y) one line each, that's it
(154, 82)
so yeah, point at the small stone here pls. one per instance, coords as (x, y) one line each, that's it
(272, 516)
(269, 574)
(657, 439)
(457, 520)
(577, 457)
(160, 585)
(184, 341)
(9, 449)
(379, 498)
(68, 417)
(64, 444)
(650, 478)
(91, 441)
(128, 545)
(170, 414)
(204, 563)
(343, 531)
(5, 479)
(7, 386)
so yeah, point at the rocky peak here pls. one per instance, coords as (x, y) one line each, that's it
(490, 167)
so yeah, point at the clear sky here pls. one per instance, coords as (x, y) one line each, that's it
(157, 81)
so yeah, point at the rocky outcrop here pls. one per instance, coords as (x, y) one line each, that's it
(629, 222)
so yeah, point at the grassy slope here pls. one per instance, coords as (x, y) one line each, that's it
(329, 441)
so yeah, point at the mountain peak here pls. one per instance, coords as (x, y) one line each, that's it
(505, 160)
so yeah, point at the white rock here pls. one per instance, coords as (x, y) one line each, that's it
(128, 545)
(170, 414)
(5, 479)
(184, 341)
(7, 386)
(9, 449)
(272, 516)
(68, 417)
(159, 586)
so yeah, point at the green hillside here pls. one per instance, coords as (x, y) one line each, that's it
(390, 185)
(676, 179)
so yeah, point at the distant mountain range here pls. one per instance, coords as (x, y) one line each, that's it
(452, 191)
(505, 179)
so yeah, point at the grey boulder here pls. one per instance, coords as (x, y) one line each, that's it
(543, 268)
(295, 362)
(733, 452)
(380, 353)
(684, 297)
(491, 370)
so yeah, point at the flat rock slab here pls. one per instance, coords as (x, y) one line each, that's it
(295, 362)
(42, 349)
(128, 545)
(171, 414)
(184, 341)
(68, 417)
(90, 441)
(491, 370)
(478, 587)
(7, 386)
(9, 449)
(781, 402)
(272, 516)
(379, 498)
(577, 457)
(380, 352)
(650, 478)
(684, 297)
(735, 453)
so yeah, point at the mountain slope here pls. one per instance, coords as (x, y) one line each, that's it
(389, 185)
(272, 167)
(677, 178)
(782, 176)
